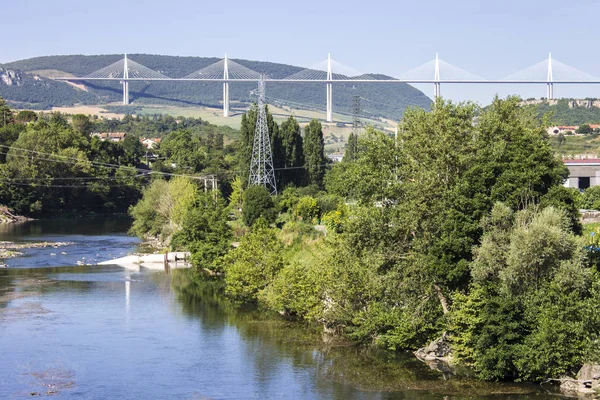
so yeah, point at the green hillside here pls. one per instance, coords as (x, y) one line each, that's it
(562, 114)
(379, 100)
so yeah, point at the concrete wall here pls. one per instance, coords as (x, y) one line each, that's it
(591, 171)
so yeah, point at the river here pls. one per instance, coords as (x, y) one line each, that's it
(90, 332)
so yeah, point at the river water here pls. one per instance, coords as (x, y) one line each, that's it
(90, 332)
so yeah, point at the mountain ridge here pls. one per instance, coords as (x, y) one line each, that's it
(385, 100)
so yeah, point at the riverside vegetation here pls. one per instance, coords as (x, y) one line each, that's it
(51, 165)
(461, 226)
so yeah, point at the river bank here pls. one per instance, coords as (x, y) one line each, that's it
(8, 217)
(92, 331)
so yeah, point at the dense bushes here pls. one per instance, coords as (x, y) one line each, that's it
(527, 313)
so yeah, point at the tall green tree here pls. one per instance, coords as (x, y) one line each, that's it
(6, 114)
(288, 153)
(314, 153)
(81, 123)
(351, 153)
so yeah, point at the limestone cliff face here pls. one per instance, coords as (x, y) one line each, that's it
(10, 77)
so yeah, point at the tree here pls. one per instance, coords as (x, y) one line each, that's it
(134, 150)
(314, 153)
(183, 149)
(205, 231)
(435, 184)
(26, 116)
(257, 203)
(526, 316)
(6, 114)
(288, 153)
(251, 267)
(81, 123)
(584, 129)
(351, 153)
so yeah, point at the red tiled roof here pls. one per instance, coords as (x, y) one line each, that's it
(582, 161)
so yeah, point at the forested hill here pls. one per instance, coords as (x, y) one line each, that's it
(34, 90)
(569, 112)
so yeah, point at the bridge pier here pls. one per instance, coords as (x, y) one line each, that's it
(226, 99)
(437, 90)
(126, 93)
(550, 91)
(329, 102)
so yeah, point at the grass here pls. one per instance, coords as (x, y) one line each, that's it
(335, 136)
(591, 227)
(588, 145)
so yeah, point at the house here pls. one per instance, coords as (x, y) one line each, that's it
(150, 143)
(555, 130)
(110, 136)
(336, 157)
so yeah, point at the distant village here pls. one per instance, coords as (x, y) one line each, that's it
(149, 143)
(585, 129)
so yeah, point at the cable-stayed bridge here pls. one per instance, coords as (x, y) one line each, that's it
(437, 72)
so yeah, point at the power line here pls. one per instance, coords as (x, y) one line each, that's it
(95, 163)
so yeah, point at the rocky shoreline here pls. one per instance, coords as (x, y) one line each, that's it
(11, 249)
(438, 355)
(7, 216)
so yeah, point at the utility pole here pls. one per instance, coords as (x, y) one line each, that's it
(262, 171)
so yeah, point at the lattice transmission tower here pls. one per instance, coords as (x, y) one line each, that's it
(261, 165)
(356, 111)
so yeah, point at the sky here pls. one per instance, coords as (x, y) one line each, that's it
(489, 38)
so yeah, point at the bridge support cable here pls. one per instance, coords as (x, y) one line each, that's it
(124, 70)
(262, 171)
(438, 71)
(328, 71)
(227, 71)
(550, 72)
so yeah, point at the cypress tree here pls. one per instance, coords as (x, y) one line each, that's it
(314, 153)
(352, 148)
(289, 154)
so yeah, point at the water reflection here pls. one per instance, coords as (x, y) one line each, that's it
(335, 368)
(113, 333)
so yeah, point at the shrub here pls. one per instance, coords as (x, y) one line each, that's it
(257, 203)
(251, 267)
(307, 209)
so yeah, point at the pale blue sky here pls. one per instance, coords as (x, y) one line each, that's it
(491, 39)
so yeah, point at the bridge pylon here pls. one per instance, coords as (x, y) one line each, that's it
(226, 87)
(125, 81)
(550, 78)
(437, 87)
(329, 90)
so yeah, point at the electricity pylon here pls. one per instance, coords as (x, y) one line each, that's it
(261, 165)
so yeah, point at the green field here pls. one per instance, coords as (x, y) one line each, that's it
(335, 136)
(584, 145)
